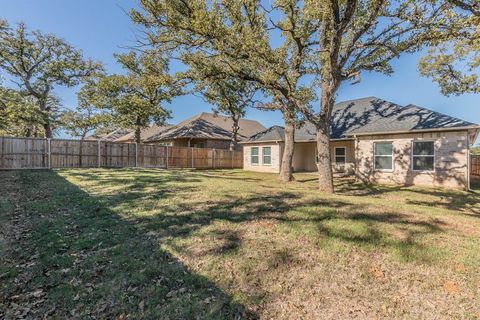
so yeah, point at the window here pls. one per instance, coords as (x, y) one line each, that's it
(340, 155)
(254, 155)
(383, 156)
(267, 155)
(423, 156)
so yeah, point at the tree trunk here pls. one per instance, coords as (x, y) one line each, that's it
(47, 127)
(324, 162)
(286, 169)
(138, 130)
(235, 127)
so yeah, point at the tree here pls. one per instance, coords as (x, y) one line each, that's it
(39, 63)
(20, 115)
(234, 39)
(454, 65)
(229, 96)
(137, 97)
(83, 120)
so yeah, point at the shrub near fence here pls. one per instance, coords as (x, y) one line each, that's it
(38, 153)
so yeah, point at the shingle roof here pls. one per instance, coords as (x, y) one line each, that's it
(112, 136)
(208, 125)
(371, 115)
(144, 134)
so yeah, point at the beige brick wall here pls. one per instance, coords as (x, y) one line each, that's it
(276, 154)
(450, 166)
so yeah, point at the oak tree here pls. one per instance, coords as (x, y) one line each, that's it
(137, 97)
(39, 63)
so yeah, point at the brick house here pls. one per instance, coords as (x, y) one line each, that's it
(378, 142)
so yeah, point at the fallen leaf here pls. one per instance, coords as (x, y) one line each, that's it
(450, 287)
(141, 306)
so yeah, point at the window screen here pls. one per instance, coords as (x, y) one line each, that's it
(267, 156)
(340, 155)
(383, 156)
(423, 157)
(254, 155)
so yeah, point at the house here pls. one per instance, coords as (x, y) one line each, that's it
(144, 133)
(378, 142)
(111, 136)
(205, 130)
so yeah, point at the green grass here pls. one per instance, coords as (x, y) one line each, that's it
(158, 244)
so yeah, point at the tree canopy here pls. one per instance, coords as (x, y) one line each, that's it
(455, 64)
(38, 63)
(137, 97)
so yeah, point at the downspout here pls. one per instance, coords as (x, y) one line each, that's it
(355, 154)
(468, 164)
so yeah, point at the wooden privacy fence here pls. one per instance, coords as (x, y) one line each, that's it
(38, 153)
(475, 164)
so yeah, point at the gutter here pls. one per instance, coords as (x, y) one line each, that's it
(477, 127)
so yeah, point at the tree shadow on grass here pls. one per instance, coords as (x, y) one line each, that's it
(82, 260)
(467, 203)
(92, 262)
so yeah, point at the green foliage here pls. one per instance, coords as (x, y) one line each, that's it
(86, 117)
(20, 114)
(475, 150)
(40, 62)
(137, 97)
(454, 65)
(232, 39)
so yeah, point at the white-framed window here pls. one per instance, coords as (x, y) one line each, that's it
(267, 155)
(423, 156)
(383, 155)
(254, 155)
(340, 155)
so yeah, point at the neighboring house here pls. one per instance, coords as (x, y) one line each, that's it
(112, 136)
(379, 142)
(205, 130)
(144, 134)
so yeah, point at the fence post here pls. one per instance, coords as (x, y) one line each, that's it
(191, 150)
(213, 158)
(99, 156)
(166, 162)
(49, 148)
(136, 154)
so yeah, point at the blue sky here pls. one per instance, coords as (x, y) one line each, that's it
(101, 27)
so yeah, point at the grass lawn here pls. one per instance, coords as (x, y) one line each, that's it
(132, 243)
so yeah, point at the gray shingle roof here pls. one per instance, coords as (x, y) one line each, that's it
(209, 126)
(371, 115)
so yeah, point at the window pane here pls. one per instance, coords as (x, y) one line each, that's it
(254, 159)
(383, 148)
(383, 163)
(340, 160)
(266, 151)
(255, 151)
(267, 159)
(423, 163)
(423, 148)
(339, 151)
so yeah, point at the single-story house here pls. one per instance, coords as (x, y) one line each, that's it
(144, 133)
(111, 136)
(378, 142)
(205, 130)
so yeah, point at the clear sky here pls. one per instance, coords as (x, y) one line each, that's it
(101, 27)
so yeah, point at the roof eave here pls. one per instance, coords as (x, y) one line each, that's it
(411, 131)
